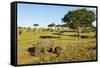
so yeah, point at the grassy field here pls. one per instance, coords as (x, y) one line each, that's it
(73, 49)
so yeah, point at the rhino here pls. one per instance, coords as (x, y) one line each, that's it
(44, 45)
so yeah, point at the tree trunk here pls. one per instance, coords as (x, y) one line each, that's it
(79, 33)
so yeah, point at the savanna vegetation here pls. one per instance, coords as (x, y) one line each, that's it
(66, 42)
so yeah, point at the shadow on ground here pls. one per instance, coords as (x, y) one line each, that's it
(82, 36)
(49, 37)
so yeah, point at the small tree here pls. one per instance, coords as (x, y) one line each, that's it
(51, 25)
(35, 25)
(79, 19)
(20, 32)
(58, 26)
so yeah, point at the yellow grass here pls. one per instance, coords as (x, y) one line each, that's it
(73, 49)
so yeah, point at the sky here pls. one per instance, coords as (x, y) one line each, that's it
(29, 14)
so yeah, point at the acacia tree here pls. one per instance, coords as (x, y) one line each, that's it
(79, 19)
(35, 25)
(51, 25)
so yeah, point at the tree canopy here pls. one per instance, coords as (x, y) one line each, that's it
(79, 19)
(35, 24)
(58, 25)
(51, 25)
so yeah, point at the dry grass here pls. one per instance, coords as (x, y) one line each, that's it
(73, 49)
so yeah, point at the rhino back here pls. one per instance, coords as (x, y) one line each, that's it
(46, 43)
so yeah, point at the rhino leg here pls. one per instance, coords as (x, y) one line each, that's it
(50, 50)
(42, 50)
(57, 51)
(31, 50)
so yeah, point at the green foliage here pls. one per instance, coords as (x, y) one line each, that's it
(79, 18)
(58, 25)
(51, 25)
(36, 25)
